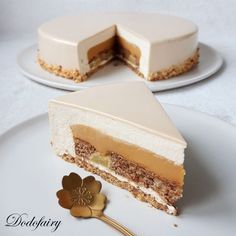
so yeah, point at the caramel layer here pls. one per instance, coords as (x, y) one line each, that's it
(131, 48)
(117, 43)
(151, 161)
(101, 47)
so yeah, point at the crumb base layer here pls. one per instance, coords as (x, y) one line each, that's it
(67, 73)
(137, 193)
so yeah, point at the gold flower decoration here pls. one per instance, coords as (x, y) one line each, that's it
(81, 196)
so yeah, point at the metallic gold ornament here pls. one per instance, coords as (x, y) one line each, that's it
(83, 198)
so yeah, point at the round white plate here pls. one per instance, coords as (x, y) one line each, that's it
(30, 175)
(210, 62)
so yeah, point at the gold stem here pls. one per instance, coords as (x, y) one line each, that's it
(115, 225)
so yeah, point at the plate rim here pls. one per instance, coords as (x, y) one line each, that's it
(74, 87)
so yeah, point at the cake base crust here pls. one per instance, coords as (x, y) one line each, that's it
(140, 195)
(75, 75)
(62, 72)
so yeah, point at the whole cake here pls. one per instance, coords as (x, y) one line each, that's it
(155, 46)
(122, 133)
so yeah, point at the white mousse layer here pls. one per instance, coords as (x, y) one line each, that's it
(62, 117)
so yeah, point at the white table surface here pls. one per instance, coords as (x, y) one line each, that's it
(21, 98)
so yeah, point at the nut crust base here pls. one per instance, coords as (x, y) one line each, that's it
(113, 180)
(75, 75)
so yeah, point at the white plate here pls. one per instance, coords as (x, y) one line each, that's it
(210, 62)
(30, 175)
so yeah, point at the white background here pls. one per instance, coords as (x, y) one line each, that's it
(21, 99)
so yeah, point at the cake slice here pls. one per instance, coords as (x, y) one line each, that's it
(122, 133)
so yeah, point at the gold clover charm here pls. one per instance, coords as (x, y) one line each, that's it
(83, 198)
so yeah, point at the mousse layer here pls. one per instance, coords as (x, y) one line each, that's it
(137, 119)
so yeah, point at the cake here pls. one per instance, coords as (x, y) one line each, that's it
(121, 133)
(155, 46)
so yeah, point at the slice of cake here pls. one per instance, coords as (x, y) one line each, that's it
(155, 46)
(122, 133)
